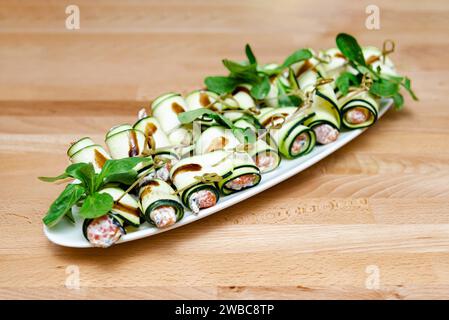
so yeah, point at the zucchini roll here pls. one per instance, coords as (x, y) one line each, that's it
(103, 231)
(164, 161)
(85, 150)
(279, 86)
(326, 120)
(216, 138)
(127, 208)
(302, 66)
(242, 100)
(158, 140)
(186, 175)
(155, 136)
(78, 145)
(292, 138)
(373, 56)
(265, 156)
(106, 230)
(336, 63)
(125, 142)
(166, 109)
(203, 99)
(245, 174)
(181, 136)
(242, 96)
(160, 204)
(128, 142)
(359, 111)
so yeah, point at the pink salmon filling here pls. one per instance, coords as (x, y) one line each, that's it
(265, 161)
(201, 200)
(300, 143)
(163, 216)
(325, 133)
(103, 232)
(357, 115)
(244, 181)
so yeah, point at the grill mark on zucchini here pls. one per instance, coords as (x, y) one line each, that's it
(100, 159)
(204, 99)
(133, 144)
(186, 168)
(151, 183)
(307, 65)
(274, 118)
(150, 129)
(122, 207)
(240, 89)
(177, 108)
(217, 144)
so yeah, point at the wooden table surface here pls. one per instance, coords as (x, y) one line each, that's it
(370, 221)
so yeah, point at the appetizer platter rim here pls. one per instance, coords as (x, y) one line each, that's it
(301, 163)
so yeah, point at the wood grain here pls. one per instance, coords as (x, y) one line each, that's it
(381, 201)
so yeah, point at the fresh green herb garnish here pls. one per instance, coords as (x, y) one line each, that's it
(245, 136)
(189, 116)
(62, 205)
(261, 89)
(221, 84)
(249, 72)
(383, 85)
(345, 81)
(94, 203)
(350, 48)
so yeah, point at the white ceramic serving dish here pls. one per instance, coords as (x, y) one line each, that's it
(70, 235)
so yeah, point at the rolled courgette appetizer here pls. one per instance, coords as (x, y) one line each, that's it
(326, 120)
(127, 208)
(242, 96)
(245, 174)
(279, 86)
(128, 143)
(161, 206)
(373, 56)
(155, 136)
(189, 176)
(164, 160)
(166, 109)
(216, 138)
(292, 138)
(179, 137)
(103, 231)
(359, 111)
(125, 143)
(117, 129)
(86, 151)
(302, 66)
(203, 99)
(264, 152)
(336, 63)
(78, 145)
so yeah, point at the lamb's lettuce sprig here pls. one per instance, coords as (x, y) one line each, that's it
(87, 191)
(250, 72)
(383, 85)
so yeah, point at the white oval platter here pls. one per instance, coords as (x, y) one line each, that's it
(70, 235)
